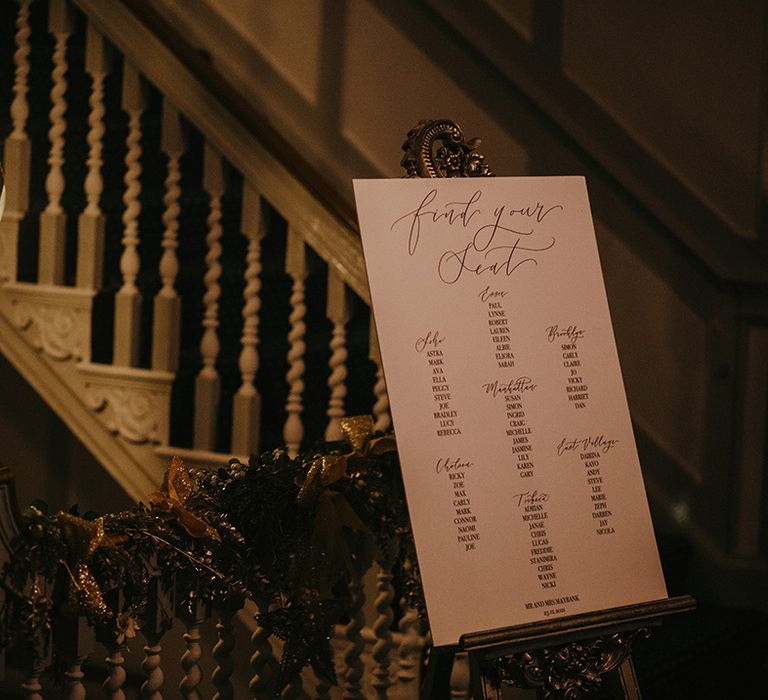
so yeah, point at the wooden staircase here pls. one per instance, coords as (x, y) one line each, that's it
(143, 310)
(175, 280)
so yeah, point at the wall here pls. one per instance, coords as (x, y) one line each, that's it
(50, 463)
(661, 106)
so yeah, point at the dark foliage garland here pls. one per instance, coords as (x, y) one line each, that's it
(291, 534)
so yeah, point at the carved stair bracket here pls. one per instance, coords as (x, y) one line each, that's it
(438, 149)
(566, 672)
(56, 320)
(133, 403)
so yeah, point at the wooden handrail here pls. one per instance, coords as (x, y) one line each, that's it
(199, 64)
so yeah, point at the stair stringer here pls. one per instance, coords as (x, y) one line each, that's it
(67, 385)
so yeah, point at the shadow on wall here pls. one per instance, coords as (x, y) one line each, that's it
(49, 462)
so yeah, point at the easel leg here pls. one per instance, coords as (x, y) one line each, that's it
(622, 682)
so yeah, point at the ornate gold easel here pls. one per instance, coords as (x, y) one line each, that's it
(563, 659)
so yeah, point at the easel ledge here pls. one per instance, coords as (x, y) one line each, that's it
(592, 627)
(508, 640)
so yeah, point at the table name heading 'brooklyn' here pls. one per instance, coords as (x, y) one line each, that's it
(502, 238)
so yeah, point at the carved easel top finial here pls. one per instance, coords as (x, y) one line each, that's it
(437, 149)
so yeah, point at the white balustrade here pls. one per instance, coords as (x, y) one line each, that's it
(246, 407)
(128, 298)
(114, 684)
(166, 319)
(153, 628)
(224, 648)
(75, 639)
(151, 687)
(208, 382)
(44, 325)
(90, 226)
(459, 683)
(16, 152)
(190, 662)
(20, 106)
(409, 650)
(296, 267)
(31, 686)
(53, 220)
(385, 594)
(73, 680)
(353, 662)
(337, 312)
(263, 662)
(382, 419)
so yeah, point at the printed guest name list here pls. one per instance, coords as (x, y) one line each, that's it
(523, 482)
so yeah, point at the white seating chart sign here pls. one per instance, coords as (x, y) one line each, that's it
(520, 467)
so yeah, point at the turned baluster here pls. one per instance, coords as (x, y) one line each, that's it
(128, 297)
(16, 152)
(353, 662)
(74, 638)
(263, 662)
(296, 267)
(409, 650)
(34, 666)
(53, 220)
(166, 318)
(459, 682)
(246, 404)
(208, 382)
(337, 311)
(225, 645)
(381, 417)
(150, 688)
(385, 594)
(115, 643)
(116, 674)
(90, 225)
(155, 623)
(31, 686)
(191, 612)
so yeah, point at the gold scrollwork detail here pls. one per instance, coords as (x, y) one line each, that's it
(437, 149)
(567, 672)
